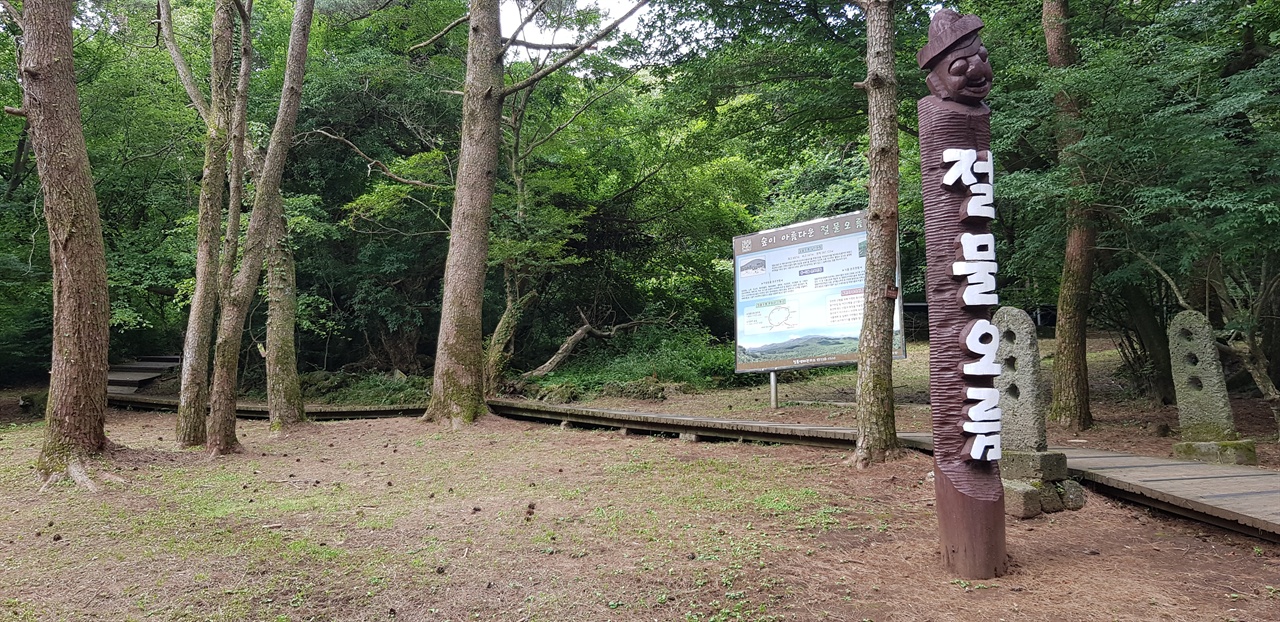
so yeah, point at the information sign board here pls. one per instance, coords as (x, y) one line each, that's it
(799, 295)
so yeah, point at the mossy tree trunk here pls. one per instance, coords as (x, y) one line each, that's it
(499, 349)
(75, 414)
(193, 400)
(284, 395)
(1070, 369)
(457, 392)
(267, 209)
(877, 429)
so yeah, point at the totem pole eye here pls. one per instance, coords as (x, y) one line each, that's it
(959, 67)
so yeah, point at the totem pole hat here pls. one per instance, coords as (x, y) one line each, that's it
(947, 29)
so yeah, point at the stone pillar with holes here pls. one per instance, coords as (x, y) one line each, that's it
(1204, 411)
(1035, 479)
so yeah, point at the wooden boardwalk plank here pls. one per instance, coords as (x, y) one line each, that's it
(130, 378)
(317, 412)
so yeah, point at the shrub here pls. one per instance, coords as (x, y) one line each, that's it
(365, 389)
(653, 355)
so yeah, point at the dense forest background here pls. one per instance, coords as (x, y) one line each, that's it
(623, 178)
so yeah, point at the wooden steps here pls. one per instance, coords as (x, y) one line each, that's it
(127, 378)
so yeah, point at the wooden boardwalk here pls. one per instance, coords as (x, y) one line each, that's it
(244, 410)
(1240, 498)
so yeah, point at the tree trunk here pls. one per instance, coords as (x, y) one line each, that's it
(877, 429)
(1070, 369)
(498, 352)
(284, 394)
(193, 399)
(19, 171)
(1255, 357)
(266, 207)
(1155, 342)
(1270, 328)
(75, 414)
(457, 391)
(239, 157)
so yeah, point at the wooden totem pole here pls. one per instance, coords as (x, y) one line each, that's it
(957, 173)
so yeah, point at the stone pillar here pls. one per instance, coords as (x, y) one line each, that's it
(1204, 412)
(1035, 479)
(1021, 401)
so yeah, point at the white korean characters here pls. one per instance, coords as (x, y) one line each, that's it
(972, 171)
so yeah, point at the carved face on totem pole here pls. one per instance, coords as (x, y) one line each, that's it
(956, 59)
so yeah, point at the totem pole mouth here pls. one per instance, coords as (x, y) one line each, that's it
(974, 91)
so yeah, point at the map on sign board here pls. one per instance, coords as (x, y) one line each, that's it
(799, 295)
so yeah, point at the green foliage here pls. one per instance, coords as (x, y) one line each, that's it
(619, 191)
(369, 389)
(687, 356)
(818, 185)
(25, 338)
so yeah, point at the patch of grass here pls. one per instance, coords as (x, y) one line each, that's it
(783, 501)
(822, 519)
(304, 548)
(17, 611)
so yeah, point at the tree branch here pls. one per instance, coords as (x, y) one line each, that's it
(180, 62)
(14, 13)
(568, 58)
(385, 4)
(17, 112)
(584, 331)
(1177, 292)
(559, 128)
(440, 35)
(506, 45)
(640, 182)
(378, 163)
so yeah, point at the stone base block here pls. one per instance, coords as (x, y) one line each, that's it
(1050, 498)
(1221, 452)
(1049, 466)
(1021, 500)
(689, 436)
(1072, 494)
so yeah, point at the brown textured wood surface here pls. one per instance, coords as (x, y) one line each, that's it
(1247, 496)
(970, 497)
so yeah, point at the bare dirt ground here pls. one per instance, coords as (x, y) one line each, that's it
(398, 519)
